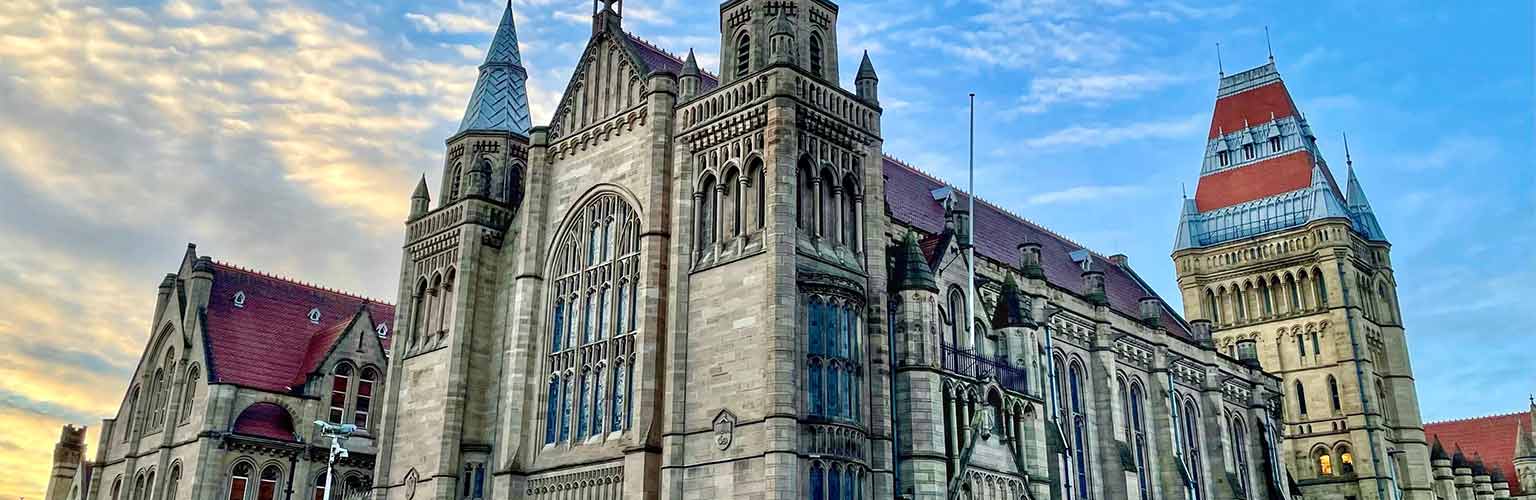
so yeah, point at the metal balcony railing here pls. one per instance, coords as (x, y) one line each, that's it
(966, 362)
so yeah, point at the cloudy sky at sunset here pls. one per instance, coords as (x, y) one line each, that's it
(285, 135)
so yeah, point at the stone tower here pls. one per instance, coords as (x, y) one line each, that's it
(439, 422)
(757, 34)
(1271, 250)
(67, 456)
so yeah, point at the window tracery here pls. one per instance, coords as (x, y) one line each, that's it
(590, 354)
(834, 357)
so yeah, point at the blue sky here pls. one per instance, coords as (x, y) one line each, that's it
(286, 135)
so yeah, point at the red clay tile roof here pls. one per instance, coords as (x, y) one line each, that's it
(1492, 438)
(270, 344)
(265, 420)
(908, 196)
(1251, 182)
(1251, 107)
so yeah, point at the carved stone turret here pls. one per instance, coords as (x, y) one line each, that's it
(688, 82)
(421, 201)
(866, 82)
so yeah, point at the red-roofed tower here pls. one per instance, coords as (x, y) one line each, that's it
(1272, 250)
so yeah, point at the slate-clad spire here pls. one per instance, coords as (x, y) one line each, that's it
(1437, 452)
(1012, 310)
(912, 271)
(1325, 203)
(1360, 208)
(500, 100)
(1525, 443)
(866, 69)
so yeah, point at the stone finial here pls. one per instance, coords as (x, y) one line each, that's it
(912, 271)
(1029, 260)
(203, 264)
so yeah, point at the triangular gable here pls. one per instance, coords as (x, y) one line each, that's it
(598, 41)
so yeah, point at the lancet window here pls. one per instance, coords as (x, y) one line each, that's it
(590, 344)
(834, 357)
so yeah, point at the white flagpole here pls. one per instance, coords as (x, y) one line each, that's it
(970, 236)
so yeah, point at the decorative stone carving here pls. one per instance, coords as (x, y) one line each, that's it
(725, 429)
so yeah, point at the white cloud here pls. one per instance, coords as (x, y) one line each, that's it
(451, 22)
(1081, 194)
(1100, 136)
(1090, 89)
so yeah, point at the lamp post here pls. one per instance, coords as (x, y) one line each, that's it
(338, 434)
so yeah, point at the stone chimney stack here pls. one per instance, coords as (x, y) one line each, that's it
(1029, 260)
(1151, 311)
(1093, 284)
(1465, 490)
(1440, 463)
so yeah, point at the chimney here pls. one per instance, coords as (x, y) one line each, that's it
(1029, 260)
(1201, 330)
(1121, 260)
(1151, 311)
(1093, 287)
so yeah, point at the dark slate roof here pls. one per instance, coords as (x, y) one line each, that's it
(500, 98)
(269, 343)
(656, 59)
(910, 201)
(265, 420)
(912, 270)
(1491, 438)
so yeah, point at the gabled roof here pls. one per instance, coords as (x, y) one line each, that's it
(268, 341)
(1493, 438)
(500, 100)
(656, 59)
(909, 198)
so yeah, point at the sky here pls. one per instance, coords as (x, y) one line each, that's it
(286, 135)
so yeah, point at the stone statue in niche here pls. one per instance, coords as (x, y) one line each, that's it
(725, 429)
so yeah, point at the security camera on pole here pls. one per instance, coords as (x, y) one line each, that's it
(338, 434)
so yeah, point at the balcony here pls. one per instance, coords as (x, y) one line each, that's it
(967, 363)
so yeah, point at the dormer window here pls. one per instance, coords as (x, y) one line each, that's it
(314, 316)
(1247, 151)
(1274, 144)
(240, 298)
(382, 330)
(1223, 158)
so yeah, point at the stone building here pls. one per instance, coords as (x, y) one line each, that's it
(68, 462)
(1485, 457)
(237, 365)
(1288, 266)
(689, 286)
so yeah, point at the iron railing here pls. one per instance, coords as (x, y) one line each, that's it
(966, 362)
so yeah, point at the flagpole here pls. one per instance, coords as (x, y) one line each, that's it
(970, 234)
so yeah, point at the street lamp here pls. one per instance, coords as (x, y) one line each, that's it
(338, 434)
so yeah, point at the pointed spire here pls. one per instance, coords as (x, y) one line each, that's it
(421, 189)
(1525, 443)
(691, 65)
(1325, 202)
(1459, 459)
(912, 271)
(1269, 46)
(867, 69)
(500, 100)
(1219, 70)
(1360, 207)
(1437, 452)
(1012, 309)
(1189, 226)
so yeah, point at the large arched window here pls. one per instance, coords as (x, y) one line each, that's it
(318, 491)
(743, 54)
(117, 488)
(805, 198)
(1301, 399)
(590, 332)
(173, 482)
(1079, 428)
(130, 414)
(1192, 447)
(363, 403)
(341, 382)
(267, 489)
(239, 479)
(455, 183)
(1324, 462)
(1212, 308)
(1333, 393)
(954, 319)
(189, 393)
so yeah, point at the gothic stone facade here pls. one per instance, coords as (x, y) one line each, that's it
(695, 287)
(1287, 268)
(1485, 457)
(236, 366)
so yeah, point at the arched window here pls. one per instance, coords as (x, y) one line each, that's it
(1333, 393)
(156, 386)
(173, 482)
(1292, 292)
(189, 386)
(239, 479)
(816, 55)
(117, 488)
(1192, 446)
(1381, 399)
(353, 487)
(138, 487)
(1319, 289)
(1212, 308)
(1324, 463)
(954, 318)
(760, 189)
(1242, 301)
(455, 182)
(850, 210)
(598, 250)
(805, 198)
(1240, 454)
(341, 383)
(817, 478)
(731, 200)
(131, 414)
(1388, 310)
(1139, 441)
(267, 490)
(834, 482)
(318, 490)
(743, 54)
(1346, 461)
(1267, 299)
(515, 185)
(828, 206)
(418, 311)
(707, 212)
(1301, 399)
(363, 403)
(1079, 428)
